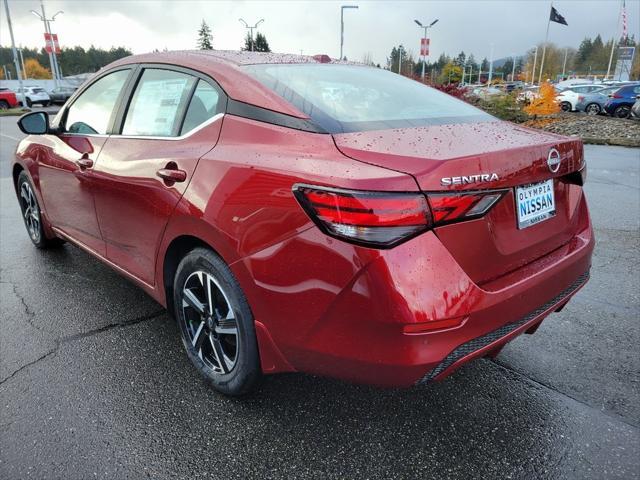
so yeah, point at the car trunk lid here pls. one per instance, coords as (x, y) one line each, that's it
(483, 156)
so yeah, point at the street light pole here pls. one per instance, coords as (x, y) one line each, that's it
(513, 70)
(426, 27)
(53, 60)
(342, 26)
(490, 66)
(251, 29)
(24, 71)
(13, 50)
(533, 73)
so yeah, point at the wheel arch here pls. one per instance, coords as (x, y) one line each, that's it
(16, 170)
(271, 358)
(174, 253)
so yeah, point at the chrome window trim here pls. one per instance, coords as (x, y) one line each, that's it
(181, 137)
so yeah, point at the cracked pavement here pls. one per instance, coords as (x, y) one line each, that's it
(94, 381)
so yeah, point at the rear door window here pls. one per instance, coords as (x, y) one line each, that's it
(158, 103)
(206, 102)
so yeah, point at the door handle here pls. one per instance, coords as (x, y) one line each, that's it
(84, 162)
(171, 175)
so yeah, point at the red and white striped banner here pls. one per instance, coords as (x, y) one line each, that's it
(51, 43)
(424, 47)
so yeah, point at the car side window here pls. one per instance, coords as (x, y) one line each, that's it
(205, 103)
(158, 102)
(91, 112)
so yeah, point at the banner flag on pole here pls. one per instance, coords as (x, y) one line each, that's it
(424, 47)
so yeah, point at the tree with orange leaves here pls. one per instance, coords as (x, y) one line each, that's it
(34, 70)
(545, 103)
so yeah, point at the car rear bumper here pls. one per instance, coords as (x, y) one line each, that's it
(364, 315)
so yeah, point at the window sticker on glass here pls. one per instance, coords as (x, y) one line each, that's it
(157, 103)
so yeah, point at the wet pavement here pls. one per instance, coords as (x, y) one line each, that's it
(94, 382)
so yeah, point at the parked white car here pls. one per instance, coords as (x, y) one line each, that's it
(485, 92)
(568, 98)
(34, 95)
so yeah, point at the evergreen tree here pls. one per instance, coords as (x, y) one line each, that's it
(204, 37)
(261, 43)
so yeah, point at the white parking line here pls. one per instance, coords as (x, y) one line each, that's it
(9, 136)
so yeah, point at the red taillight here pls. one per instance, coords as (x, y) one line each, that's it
(448, 208)
(615, 95)
(385, 219)
(377, 219)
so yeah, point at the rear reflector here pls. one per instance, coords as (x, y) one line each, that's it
(433, 325)
(385, 219)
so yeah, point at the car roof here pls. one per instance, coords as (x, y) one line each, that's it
(224, 66)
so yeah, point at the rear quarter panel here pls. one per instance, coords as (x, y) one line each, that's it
(240, 198)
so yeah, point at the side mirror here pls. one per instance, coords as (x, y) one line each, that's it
(34, 123)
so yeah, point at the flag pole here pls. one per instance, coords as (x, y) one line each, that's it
(544, 46)
(613, 46)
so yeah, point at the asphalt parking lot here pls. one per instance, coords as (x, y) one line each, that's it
(94, 382)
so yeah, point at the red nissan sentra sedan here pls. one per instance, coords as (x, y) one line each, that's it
(299, 214)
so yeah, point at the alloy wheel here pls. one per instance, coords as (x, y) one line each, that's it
(622, 112)
(593, 109)
(210, 322)
(30, 211)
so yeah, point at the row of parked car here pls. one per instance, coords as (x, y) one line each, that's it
(617, 100)
(33, 95)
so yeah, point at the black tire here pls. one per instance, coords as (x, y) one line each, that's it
(32, 214)
(202, 328)
(623, 111)
(29, 102)
(593, 109)
(4, 105)
(565, 106)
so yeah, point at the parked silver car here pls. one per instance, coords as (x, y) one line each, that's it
(61, 94)
(635, 109)
(592, 103)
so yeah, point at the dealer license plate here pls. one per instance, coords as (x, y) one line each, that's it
(535, 203)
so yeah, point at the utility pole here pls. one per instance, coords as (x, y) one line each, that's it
(13, 50)
(513, 70)
(564, 64)
(424, 57)
(400, 49)
(251, 30)
(342, 26)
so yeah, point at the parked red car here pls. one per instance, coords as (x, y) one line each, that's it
(299, 214)
(8, 99)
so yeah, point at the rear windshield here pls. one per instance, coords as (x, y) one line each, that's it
(350, 98)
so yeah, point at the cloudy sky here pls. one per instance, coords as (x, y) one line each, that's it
(513, 26)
